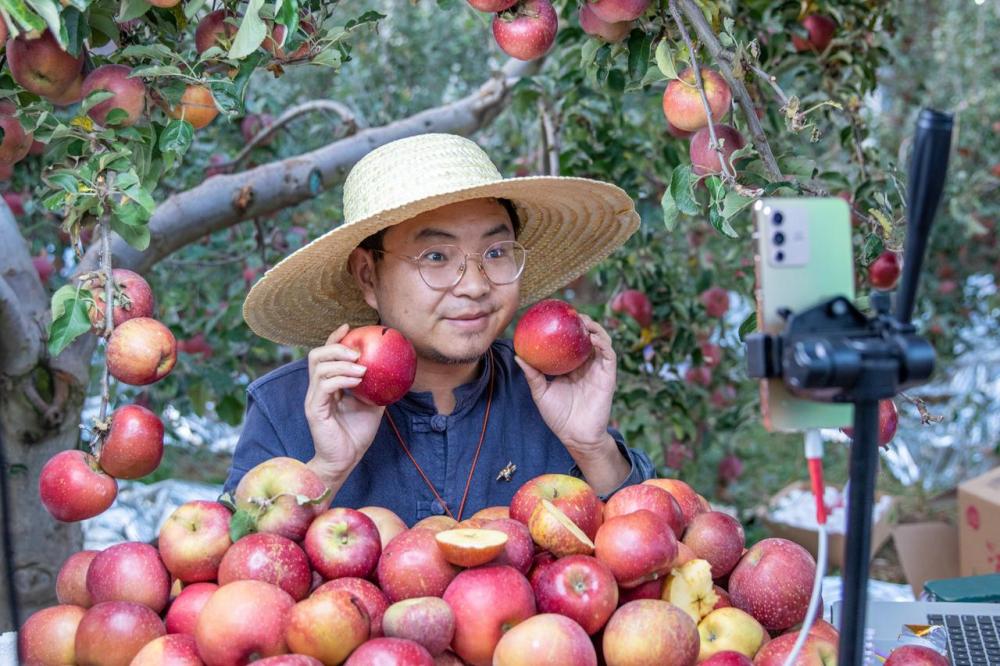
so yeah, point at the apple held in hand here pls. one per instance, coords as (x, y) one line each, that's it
(580, 587)
(390, 360)
(73, 487)
(133, 446)
(270, 558)
(49, 636)
(269, 491)
(648, 631)
(224, 635)
(773, 582)
(527, 30)
(487, 602)
(549, 638)
(343, 542)
(552, 338)
(141, 351)
(113, 632)
(428, 621)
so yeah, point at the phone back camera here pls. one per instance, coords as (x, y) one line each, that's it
(778, 218)
(779, 256)
(779, 238)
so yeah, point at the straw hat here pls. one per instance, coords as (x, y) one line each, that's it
(567, 224)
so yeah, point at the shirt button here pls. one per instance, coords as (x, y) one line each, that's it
(439, 422)
(436, 508)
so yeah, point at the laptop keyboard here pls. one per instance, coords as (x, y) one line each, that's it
(974, 640)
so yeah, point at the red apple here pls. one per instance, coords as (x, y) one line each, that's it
(580, 587)
(682, 103)
(134, 445)
(824, 629)
(129, 572)
(821, 30)
(539, 563)
(112, 633)
(15, 201)
(716, 301)
(169, 650)
(916, 655)
(730, 468)
(727, 658)
(390, 652)
(611, 32)
(277, 36)
(71, 95)
(651, 589)
(571, 495)
(270, 558)
(131, 295)
(487, 602)
(704, 158)
(551, 530)
(141, 351)
(637, 546)
(41, 66)
(182, 616)
(816, 651)
(448, 659)
(651, 498)
(129, 94)
(698, 374)
(492, 6)
(613, 11)
(633, 303)
(327, 626)
(428, 621)
(225, 636)
(49, 636)
(193, 540)
(520, 549)
(412, 565)
(549, 638)
(73, 487)
(214, 30)
(492, 513)
(289, 660)
(255, 123)
(888, 422)
(884, 271)
(343, 542)
(273, 485)
(390, 360)
(718, 538)
(527, 30)
(650, 632)
(773, 582)
(16, 142)
(71, 583)
(372, 599)
(552, 338)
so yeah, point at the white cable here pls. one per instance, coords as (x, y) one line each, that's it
(813, 600)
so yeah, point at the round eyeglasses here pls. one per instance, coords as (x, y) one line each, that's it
(442, 266)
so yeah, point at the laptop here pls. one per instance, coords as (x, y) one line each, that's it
(973, 629)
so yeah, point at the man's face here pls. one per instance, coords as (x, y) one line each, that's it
(453, 325)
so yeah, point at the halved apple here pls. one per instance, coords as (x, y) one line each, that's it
(690, 588)
(469, 546)
(553, 531)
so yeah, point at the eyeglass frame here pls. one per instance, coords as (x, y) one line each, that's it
(415, 260)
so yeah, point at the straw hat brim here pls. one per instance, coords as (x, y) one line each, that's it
(568, 225)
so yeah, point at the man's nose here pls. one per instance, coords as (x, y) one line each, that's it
(473, 281)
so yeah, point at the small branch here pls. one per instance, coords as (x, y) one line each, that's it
(109, 305)
(347, 118)
(727, 173)
(259, 237)
(926, 417)
(543, 151)
(708, 38)
(550, 138)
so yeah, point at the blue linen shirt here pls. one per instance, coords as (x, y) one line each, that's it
(443, 444)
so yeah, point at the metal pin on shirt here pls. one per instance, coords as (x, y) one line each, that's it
(507, 472)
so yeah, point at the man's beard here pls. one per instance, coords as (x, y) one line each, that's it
(436, 356)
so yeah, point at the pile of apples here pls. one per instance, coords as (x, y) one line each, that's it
(653, 575)
(75, 485)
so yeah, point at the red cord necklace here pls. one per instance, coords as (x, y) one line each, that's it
(475, 459)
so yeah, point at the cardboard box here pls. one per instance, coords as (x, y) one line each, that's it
(927, 551)
(809, 538)
(979, 524)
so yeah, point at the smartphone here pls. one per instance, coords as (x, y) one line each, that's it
(803, 257)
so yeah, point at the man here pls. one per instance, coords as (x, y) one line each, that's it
(437, 245)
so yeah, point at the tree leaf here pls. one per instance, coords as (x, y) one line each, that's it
(129, 222)
(748, 326)
(49, 11)
(176, 137)
(734, 203)
(132, 9)
(251, 33)
(226, 500)
(304, 500)
(638, 53)
(77, 29)
(71, 322)
(681, 181)
(152, 71)
(241, 524)
(95, 98)
(287, 14)
(665, 59)
(670, 212)
(23, 16)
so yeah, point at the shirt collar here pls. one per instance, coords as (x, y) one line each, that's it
(466, 395)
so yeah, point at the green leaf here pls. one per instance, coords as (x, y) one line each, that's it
(49, 11)
(670, 211)
(65, 180)
(653, 75)
(95, 98)
(665, 59)
(192, 8)
(589, 51)
(328, 58)
(681, 181)
(72, 319)
(152, 71)
(129, 222)
(176, 137)
(638, 53)
(734, 203)
(24, 17)
(251, 33)
(304, 500)
(77, 29)
(132, 9)
(226, 500)
(146, 51)
(230, 409)
(242, 524)
(287, 14)
(748, 326)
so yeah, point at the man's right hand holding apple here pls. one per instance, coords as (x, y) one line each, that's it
(342, 426)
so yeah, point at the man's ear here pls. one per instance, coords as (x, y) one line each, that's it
(361, 266)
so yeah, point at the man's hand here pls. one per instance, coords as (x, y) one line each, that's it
(577, 406)
(342, 426)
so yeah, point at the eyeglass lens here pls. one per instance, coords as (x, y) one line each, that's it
(441, 266)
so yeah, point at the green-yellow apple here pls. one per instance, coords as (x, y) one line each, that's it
(773, 582)
(327, 626)
(225, 636)
(580, 587)
(373, 599)
(49, 635)
(549, 638)
(129, 571)
(269, 558)
(487, 602)
(412, 565)
(428, 621)
(343, 542)
(194, 539)
(682, 103)
(111, 633)
(637, 546)
(718, 538)
(571, 495)
(689, 587)
(730, 629)
(649, 631)
(269, 491)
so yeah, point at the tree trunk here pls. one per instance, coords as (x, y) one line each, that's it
(41, 399)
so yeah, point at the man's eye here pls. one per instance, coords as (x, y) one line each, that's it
(496, 253)
(435, 257)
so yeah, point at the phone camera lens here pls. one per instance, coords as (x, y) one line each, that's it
(778, 218)
(779, 256)
(779, 238)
